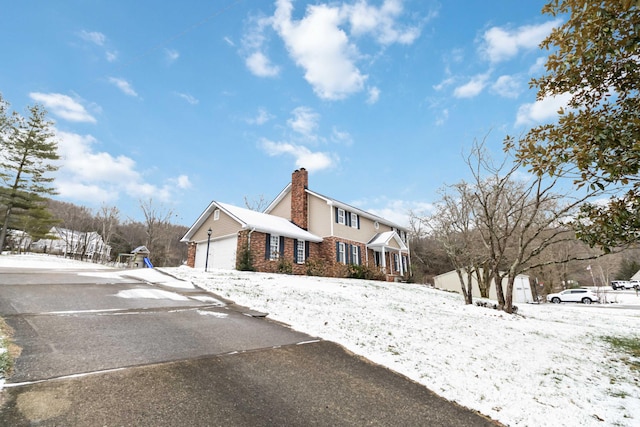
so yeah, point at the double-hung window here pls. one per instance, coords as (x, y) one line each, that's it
(354, 220)
(274, 247)
(342, 253)
(355, 259)
(340, 216)
(300, 252)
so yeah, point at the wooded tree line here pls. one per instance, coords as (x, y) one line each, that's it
(156, 232)
(504, 225)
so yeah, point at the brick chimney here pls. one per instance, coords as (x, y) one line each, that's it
(299, 205)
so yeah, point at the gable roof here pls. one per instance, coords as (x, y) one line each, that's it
(252, 220)
(381, 240)
(333, 202)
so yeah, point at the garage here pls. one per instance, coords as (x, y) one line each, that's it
(222, 253)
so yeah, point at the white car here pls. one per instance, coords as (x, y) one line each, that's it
(625, 284)
(584, 296)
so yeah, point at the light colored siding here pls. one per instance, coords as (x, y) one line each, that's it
(283, 208)
(224, 226)
(320, 217)
(364, 234)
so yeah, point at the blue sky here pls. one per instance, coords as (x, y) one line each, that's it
(192, 101)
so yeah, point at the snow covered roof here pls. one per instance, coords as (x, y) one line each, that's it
(252, 220)
(382, 240)
(268, 223)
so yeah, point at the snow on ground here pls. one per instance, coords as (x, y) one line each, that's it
(546, 366)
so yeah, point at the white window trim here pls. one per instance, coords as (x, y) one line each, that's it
(301, 251)
(341, 216)
(274, 254)
(354, 255)
(342, 253)
(354, 220)
(216, 214)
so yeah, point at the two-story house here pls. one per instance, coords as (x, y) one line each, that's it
(303, 229)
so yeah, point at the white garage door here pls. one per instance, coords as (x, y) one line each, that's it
(222, 254)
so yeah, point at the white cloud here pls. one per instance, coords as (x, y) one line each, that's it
(172, 55)
(381, 22)
(94, 37)
(82, 162)
(63, 106)
(182, 182)
(340, 137)
(445, 83)
(542, 110)
(111, 56)
(229, 41)
(539, 65)
(89, 175)
(305, 158)
(394, 210)
(318, 45)
(507, 86)
(189, 98)
(501, 44)
(99, 39)
(87, 192)
(123, 85)
(261, 118)
(261, 66)
(472, 88)
(374, 95)
(442, 118)
(304, 121)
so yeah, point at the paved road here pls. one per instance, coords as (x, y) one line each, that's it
(107, 350)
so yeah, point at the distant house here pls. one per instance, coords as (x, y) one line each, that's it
(302, 228)
(18, 240)
(521, 287)
(74, 244)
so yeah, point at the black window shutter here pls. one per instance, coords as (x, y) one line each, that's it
(295, 251)
(267, 248)
(281, 246)
(348, 248)
(348, 218)
(336, 212)
(306, 250)
(359, 254)
(338, 251)
(358, 219)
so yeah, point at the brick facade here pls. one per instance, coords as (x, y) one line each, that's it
(260, 262)
(191, 254)
(299, 204)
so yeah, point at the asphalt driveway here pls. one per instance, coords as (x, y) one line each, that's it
(108, 350)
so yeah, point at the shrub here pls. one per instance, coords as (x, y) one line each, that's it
(284, 266)
(245, 260)
(315, 267)
(364, 272)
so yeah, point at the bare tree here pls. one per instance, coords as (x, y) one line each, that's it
(452, 224)
(520, 219)
(107, 218)
(158, 230)
(257, 203)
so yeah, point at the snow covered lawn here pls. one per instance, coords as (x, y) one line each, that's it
(548, 366)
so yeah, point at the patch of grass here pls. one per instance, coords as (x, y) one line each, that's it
(627, 345)
(6, 355)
